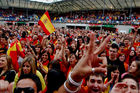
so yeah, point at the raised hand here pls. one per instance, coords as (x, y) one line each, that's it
(119, 88)
(89, 60)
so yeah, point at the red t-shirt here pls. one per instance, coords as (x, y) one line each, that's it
(84, 89)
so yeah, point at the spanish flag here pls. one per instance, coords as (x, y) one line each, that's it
(45, 23)
(19, 49)
(15, 50)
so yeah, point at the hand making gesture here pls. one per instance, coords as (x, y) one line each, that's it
(88, 64)
(90, 60)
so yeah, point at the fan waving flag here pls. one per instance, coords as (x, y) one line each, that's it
(45, 23)
(14, 51)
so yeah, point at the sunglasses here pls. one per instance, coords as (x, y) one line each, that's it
(26, 90)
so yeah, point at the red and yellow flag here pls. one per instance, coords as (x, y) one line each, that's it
(45, 23)
(15, 50)
(19, 49)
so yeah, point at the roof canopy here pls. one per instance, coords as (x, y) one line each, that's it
(70, 5)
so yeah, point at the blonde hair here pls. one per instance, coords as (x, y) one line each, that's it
(31, 61)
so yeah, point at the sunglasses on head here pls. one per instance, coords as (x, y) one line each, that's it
(26, 90)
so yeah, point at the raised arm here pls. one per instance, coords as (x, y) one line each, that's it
(134, 37)
(88, 64)
(32, 51)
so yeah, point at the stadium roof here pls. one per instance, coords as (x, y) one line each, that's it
(47, 1)
(70, 5)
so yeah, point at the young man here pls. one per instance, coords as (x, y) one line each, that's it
(122, 49)
(95, 84)
(113, 60)
(28, 83)
(129, 84)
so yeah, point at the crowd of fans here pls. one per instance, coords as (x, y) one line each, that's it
(98, 17)
(16, 15)
(69, 61)
(111, 17)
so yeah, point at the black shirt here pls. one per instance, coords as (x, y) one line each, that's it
(8, 76)
(117, 63)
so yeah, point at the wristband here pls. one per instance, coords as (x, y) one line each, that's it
(68, 90)
(93, 70)
(73, 82)
(70, 84)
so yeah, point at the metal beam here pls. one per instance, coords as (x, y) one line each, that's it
(126, 3)
(112, 3)
(119, 3)
(77, 4)
(72, 4)
(31, 4)
(43, 8)
(134, 3)
(58, 6)
(93, 4)
(39, 5)
(19, 3)
(1, 2)
(35, 4)
(53, 7)
(61, 7)
(7, 3)
(43, 5)
(50, 7)
(25, 3)
(83, 4)
(105, 3)
(99, 3)
(88, 3)
(67, 6)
